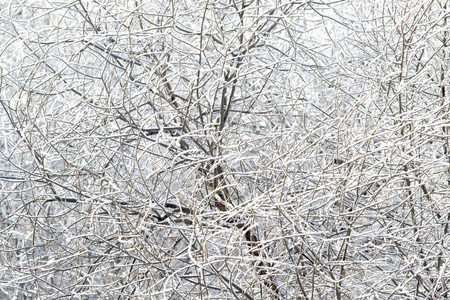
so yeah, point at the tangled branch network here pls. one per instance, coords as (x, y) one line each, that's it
(231, 149)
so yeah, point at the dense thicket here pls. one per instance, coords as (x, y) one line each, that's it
(247, 149)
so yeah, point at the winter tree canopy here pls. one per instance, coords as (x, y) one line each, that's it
(230, 149)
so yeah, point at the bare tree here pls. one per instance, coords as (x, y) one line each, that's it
(249, 149)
